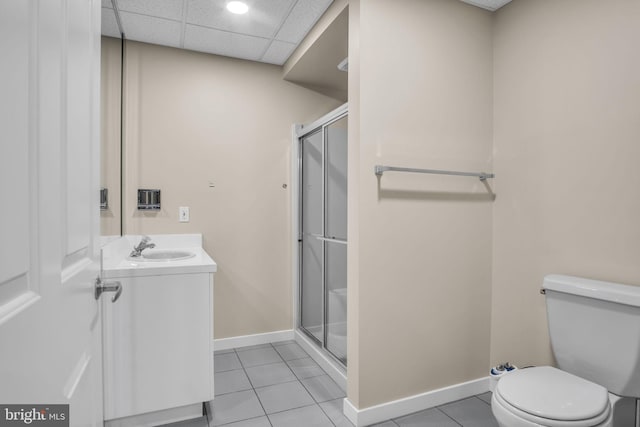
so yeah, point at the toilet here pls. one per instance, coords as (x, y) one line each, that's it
(595, 336)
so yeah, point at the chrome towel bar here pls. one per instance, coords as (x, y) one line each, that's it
(329, 239)
(483, 176)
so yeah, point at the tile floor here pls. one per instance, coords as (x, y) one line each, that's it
(279, 385)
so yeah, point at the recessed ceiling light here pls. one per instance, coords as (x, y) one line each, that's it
(237, 7)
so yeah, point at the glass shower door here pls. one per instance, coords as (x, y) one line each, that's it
(311, 289)
(323, 236)
(336, 238)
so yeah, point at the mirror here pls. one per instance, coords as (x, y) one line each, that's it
(110, 141)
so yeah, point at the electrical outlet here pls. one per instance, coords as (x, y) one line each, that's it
(183, 214)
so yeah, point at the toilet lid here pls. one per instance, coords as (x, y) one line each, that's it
(548, 392)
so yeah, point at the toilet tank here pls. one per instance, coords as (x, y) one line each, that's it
(595, 331)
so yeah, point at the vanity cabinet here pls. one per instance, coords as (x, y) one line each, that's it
(158, 348)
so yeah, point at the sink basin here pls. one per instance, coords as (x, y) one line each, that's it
(164, 255)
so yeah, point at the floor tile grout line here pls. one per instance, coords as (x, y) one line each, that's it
(292, 409)
(246, 419)
(312, 376)
(307, 389)
(252, 387)
(306, 406)
(262, 364)
(228, 370)
(272, 385)
(252, 347)
(308, 378)
(231, 392)
(440, 410)
(449, 416)
(233, 350)
(478, 396)
(310, 394)
(297, 407)
(287, 382)
(295, 358)
(325, 412)
(285, 362)
(271, 363)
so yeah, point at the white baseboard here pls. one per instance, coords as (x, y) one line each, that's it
(247, 340)
(418, 402)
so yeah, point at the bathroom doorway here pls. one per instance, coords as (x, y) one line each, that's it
(322, 234)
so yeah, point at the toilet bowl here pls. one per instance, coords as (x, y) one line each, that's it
(594, 328)
(549, 397)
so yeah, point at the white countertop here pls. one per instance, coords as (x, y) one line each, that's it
(116, 262)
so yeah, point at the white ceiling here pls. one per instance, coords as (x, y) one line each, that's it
(269, 32)
(491, 5)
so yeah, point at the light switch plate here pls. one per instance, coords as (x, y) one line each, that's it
(183, 214)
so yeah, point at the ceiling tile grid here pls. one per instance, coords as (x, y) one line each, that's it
(169, 9)
(218, 42)
(278, 52)
(151, 29)
(269, 32)
(302, 18)
(262, 20)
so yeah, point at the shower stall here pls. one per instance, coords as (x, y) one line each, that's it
(322, 234)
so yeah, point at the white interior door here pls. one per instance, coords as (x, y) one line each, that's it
(50, 342)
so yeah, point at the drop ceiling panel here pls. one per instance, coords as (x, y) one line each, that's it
(301, 19)
(263, 19)
(169, 9)
(269, 32)
(151, 30)
(278, 52)
(224, 43)
(109, 24)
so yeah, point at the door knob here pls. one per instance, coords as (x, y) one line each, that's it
(101, 287)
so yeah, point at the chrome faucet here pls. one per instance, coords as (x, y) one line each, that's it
(144, 244)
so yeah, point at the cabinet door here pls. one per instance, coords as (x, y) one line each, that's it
(158, 345)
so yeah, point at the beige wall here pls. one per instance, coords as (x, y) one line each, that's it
(420, 282)
(110, 134)
(567, 132)
(353, 209)
(214, 134)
